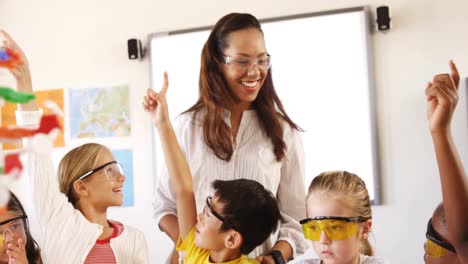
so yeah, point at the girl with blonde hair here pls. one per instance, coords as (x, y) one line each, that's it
(339, 220)
(72, 211)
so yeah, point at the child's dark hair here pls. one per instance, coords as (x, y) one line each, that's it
(33, 252)
(248, 208)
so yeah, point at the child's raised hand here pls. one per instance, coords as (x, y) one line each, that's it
(442, 97)
(20, 72)
(156, 104)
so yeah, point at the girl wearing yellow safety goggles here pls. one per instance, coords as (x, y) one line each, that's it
(339, 222)
(335, 227)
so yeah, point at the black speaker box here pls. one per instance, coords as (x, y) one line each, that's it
(383, 18)
(134, 49)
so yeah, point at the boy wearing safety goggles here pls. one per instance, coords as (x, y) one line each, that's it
(238, 218)
(339, 220)
(447, 231)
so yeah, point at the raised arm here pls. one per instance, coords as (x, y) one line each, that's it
(20, 72)
(179, 171)
(51, 206)
(442, 97)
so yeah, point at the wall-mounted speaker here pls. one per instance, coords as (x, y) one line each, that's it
(383, 18)
(135, 50)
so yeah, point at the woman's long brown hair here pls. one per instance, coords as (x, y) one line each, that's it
(215, 96)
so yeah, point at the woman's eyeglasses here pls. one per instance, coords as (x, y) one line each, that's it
(245, 64)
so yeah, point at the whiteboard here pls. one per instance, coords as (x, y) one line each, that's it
(322, 73)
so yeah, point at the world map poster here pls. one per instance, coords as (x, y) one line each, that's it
(99, 112)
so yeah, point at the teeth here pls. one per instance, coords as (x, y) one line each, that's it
(250, 84)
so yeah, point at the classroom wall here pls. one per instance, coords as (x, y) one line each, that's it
(83, 43)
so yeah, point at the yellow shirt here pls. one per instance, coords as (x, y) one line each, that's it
(196, 255)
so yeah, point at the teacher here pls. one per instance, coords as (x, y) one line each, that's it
(238, 128)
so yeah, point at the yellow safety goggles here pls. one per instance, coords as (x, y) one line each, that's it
(435, 247)
(336, 228)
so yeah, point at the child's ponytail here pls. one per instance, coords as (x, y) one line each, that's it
(366, 248)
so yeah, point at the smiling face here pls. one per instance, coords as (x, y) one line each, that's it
(11, 232)
(105, 185)
(335, 251)
(243, 75)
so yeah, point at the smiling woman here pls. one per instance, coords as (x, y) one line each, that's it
(246, 65)
(321, 67)
(239, 129)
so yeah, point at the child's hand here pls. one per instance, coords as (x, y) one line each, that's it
(156, 104)
(17, 254)
(20, 72)
(265, 259)
(442, 97)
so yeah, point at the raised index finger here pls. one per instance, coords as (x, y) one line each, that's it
(165, 84)
(454, 73)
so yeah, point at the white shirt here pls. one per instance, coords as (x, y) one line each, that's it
(66, 235)
(362, 260)
(253, 158)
